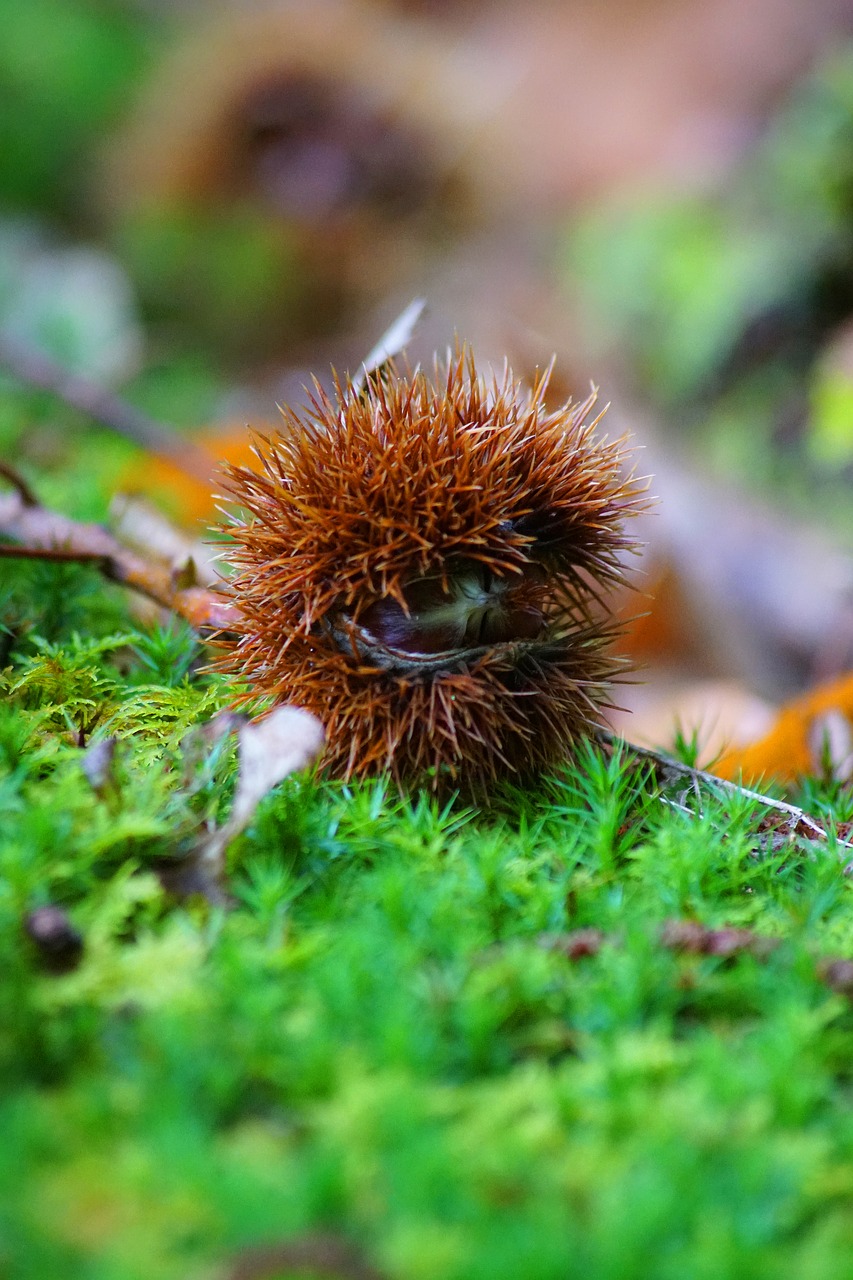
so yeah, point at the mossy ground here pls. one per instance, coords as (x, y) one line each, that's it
(374, 1041)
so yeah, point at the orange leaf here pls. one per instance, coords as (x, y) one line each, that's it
(792, 748)
(187, 499)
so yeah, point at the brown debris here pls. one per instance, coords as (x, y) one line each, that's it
(691, 937)
(322, 1254)
(682, 786)
(576, 945)
(285, 741)
(98, 765)
(838, 975)
(58, 944)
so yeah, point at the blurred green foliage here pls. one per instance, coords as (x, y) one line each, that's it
(66, 70)
(230, 274)
(215, 281)
(724, 304)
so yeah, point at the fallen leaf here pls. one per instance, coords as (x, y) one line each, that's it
(788, 752)
(190, 498)
(286, 740)
(98, 765)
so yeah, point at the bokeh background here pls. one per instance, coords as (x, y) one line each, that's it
(202, 205)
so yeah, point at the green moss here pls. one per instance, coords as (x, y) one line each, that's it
(374, 1041)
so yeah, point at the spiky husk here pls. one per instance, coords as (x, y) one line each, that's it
(412, 479)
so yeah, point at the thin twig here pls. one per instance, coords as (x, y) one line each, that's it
(42, 534)
(29, 365)
(9, 551)
(15, 478)
(668, 771)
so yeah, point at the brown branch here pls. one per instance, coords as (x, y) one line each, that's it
(55, 554)
(29, 365)
(15, 478)
(41, 534)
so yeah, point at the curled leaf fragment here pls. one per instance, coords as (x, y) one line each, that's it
(288, 740)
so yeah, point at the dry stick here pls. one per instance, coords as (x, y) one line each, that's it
(33, 367)
(45, 535)
(27, 495)
(667, 771)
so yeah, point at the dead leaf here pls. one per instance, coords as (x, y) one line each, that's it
(288, 739)
(194, 498)
(38, 533)
(681, 787)
(145, 530)
(787, 752)
(98, 765)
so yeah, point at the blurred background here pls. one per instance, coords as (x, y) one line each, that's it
(203, 204)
